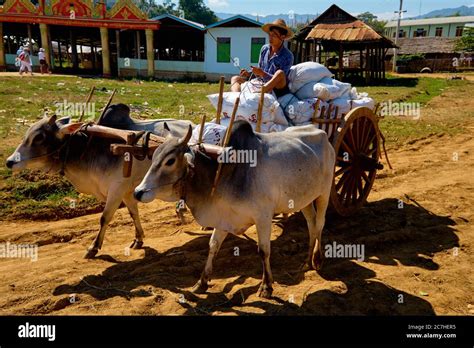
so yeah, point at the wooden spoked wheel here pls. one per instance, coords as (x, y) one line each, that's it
(357, 146)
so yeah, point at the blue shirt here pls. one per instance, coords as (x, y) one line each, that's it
(281, 60)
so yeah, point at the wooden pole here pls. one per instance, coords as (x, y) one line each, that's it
(87, 102)
(367, 65)
(260, 110)
(226, 142)
(220, 100)
(117, 45)
(315, 112)
(341, 58)
(106, 106)
(201, 130)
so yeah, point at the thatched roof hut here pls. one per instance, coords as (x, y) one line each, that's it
(336, 31)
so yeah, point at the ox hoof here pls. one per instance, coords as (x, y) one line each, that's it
(200, 287)
(265, 291)
(136, 244)
(91, 253)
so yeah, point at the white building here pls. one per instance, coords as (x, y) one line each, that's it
(185, 48)
(232, 44)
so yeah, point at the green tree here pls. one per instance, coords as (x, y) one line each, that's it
(197, 11)
(371, 20)
(466, 41)
(152, 9)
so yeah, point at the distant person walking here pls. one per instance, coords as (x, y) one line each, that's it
(25, 61)
(17, 59)
(44, 68)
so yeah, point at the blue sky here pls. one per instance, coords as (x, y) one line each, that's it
(383, 8)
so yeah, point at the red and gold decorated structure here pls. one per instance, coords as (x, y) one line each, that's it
(104, 33)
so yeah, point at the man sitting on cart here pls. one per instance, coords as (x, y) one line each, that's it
(274, 63)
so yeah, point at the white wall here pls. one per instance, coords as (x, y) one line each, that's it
(240, 43)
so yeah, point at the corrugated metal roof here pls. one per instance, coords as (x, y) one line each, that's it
(352, 31)
(181, 20)
(428, 21)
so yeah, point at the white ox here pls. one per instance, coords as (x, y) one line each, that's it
(293, 172)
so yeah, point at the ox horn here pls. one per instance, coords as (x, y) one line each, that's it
(184, 140)
(52, 120)
(167, 130)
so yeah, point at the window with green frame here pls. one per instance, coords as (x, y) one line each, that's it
(256, 46)
(223, 49)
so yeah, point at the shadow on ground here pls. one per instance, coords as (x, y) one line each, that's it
(391, 236)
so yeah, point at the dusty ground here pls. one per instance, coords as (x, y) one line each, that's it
(418, 258)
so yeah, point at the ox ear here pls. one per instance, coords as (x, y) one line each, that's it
(190, 159)
(67, 129)
(63, 121)
(184, 140)
(166, 130)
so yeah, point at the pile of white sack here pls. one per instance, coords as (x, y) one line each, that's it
(308, 83)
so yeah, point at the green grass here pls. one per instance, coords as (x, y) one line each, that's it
(25, 100)
(399, 130)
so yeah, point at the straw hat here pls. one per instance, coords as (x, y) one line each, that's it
(279, 23)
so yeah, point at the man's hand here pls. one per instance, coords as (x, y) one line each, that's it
(258, 72)
(244, 73)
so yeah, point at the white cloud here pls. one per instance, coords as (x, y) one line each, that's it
(218, 3)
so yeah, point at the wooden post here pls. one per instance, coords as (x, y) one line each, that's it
(117, 45)
(320, 51)
(260, 110)
(60, 57)
(341, 57)
(315, 112)
(150, 52)
(51, 51)
(220, 99)
(225, 143)
(367, 65)
(104, 37)
(30, 39)
(3, 66)
(72, 39)
(138, 49)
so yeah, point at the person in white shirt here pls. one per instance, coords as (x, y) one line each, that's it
(25, 61)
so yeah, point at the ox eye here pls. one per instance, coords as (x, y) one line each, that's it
(38, 138)
(170, 162)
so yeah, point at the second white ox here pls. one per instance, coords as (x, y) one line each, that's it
(294, 172)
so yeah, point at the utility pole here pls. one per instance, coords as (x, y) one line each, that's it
(400, 11)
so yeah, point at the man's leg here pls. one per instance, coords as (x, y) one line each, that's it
(235, 83)
(278, 81)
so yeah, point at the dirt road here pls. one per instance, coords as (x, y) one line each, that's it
(418, 254)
